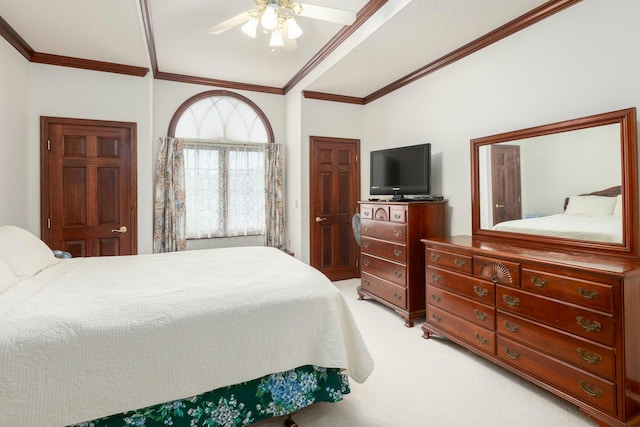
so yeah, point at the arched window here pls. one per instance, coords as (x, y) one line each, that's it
(225, 138)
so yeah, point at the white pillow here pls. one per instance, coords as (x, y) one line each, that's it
(590, 205)
(24, 253)
(617, 210)
(7, 278)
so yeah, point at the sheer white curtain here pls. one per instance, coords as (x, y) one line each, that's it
(225, 189)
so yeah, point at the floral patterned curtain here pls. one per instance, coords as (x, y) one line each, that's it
(274, 189)
(169, 220)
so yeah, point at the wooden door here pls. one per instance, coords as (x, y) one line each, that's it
(505, 183)
(334, 192)
(88, 186)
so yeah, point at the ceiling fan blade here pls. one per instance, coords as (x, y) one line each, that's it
(230, 23)
(339, 16)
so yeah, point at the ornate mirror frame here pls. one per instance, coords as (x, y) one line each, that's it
(628, 158)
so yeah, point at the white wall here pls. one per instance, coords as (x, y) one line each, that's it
(579, 62)
(14, 143)
(74, 93)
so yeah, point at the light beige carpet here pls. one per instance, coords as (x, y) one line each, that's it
(430, 383)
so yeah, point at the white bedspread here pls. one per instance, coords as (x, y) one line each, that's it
(605, 228)
(90, 337)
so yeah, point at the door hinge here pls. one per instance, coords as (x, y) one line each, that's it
(48, 145)
(357, 262)
(356, 158)
(49, 223)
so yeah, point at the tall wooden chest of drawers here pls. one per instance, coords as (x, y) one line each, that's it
(392, 255)
(569, 322)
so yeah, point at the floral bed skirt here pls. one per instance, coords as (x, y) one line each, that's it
(241, 404)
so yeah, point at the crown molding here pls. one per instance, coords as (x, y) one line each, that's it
(536, 15)
(523, 21)
(322, 96)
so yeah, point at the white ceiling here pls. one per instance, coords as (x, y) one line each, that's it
(113, 31)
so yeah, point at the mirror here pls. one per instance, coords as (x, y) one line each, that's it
(571, 184)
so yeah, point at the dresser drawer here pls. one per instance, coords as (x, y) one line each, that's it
(581, 292)
(393, 232)
(396, 295)
(497, 270)
(597, 359)
(586, 387)
(393, 251)
(461, 284)
(470, 310)
(456, 262)
(391, 271)
(398, 214)
(589, 324)
(475, 335)
(366, 212)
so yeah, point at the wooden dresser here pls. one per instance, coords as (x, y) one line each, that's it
(567, 321)
(392, 255)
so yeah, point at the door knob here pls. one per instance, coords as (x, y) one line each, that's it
(499, 206)
(318, 219)
(122, 230)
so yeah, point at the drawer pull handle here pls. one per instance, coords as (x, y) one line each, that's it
(397, 216)
(366, 228)
(436, 317)
(590, 390)
(366, 213)
(397, 233)
(367, 283)
(591, 358)
(436, 298)
(480, 291)
(397, 296)
(367, 263)
(435, 256)
(397, 252)
(588, 293)
(366, 244)
(481, 315)
(538, 282)
(436, 277)
(481, 339)
(459, 262)
(510, 301)
(511, 327)
(397, 273)
(588, 325)
(512, 354)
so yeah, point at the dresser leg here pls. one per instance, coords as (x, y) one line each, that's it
(289, 422)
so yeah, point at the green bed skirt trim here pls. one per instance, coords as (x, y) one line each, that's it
(240, 404)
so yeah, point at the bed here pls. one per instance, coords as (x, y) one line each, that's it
(593, 217)
(168, 339)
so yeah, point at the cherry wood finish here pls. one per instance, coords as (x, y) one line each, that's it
(629, 164)
(392, 256)
(564, 320)
(88, 186)
(334, 186)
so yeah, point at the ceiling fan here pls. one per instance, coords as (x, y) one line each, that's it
(277, 16)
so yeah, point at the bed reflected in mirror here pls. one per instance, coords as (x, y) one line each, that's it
(569, 183)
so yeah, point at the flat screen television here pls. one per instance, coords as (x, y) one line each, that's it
(401, 171)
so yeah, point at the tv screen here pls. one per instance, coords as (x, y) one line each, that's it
(401, 171)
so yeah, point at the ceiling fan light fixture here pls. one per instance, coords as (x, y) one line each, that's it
(250, 27)
(269, 18)
(276, 39)
(293, 29)
(296, 8)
